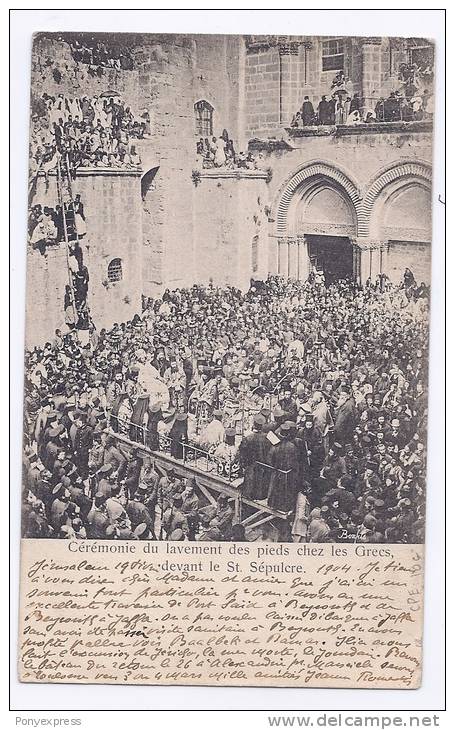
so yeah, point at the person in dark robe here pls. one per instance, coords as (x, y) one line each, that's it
(324, 111)
(253, 449)
(409, 281)
(392, 108)
(345, 419)
(354, 105)
(83, 442)
(133, 473)
(285, 476)
(288, 403)
(341, 496)
(179, 435)
(307, 112)
(138, 416)
(155, 415)
(117, 402)
(187, 367)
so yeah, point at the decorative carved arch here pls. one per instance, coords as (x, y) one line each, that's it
(316, 168)
(419, 171)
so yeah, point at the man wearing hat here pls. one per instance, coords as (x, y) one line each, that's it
(114, 456)
(174, 518)
(101, 481)
(137, 511)
(59, 506)
(97, 519)
(53, 446)
(341, 496)
(279, 416)
(369, 482)
(76, 488)
(96, 455)
(207, 532)
(222, 519)
(313, 447)
(133, 471)
(318, 529)
(214, 432)
(82, 444)
(114, 505)
(227, 451)
(345, 417)
(168, 485)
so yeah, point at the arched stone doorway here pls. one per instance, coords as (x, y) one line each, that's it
(316, 218)
(400, 220)
(403, 222)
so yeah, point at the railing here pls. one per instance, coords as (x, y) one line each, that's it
(183, 451)
(201, 459)
(371, 110)
(204, 460)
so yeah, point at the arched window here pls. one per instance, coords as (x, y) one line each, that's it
(147, 181)
(114, 270)
(203, 115)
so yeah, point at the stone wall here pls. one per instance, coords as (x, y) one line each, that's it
(47, 277)
(170, 74)
(229, 222)
(112, 207)
(416, 256)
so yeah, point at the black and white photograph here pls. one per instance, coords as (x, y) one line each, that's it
(228, 288)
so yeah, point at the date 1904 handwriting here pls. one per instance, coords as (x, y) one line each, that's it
(283, 620)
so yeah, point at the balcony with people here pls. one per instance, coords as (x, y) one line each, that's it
(342, 111)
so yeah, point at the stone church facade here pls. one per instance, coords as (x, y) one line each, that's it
(363, 191)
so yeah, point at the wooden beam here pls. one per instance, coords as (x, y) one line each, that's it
(206, 493)
(252, 517)
(261, 522)
(165, 462)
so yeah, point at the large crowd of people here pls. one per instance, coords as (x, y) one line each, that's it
(98, 131)
(100, 54)
(310, 400)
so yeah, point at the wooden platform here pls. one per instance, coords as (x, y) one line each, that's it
(248, 512)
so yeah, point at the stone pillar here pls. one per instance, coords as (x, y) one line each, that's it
(283, 257)
(371, 67)
(371, 258)
(274, 253)
(293, 258)
(303, 260)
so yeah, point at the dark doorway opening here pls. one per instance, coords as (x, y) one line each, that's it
(332, 254)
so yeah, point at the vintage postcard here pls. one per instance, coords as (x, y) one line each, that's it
(225, 408)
